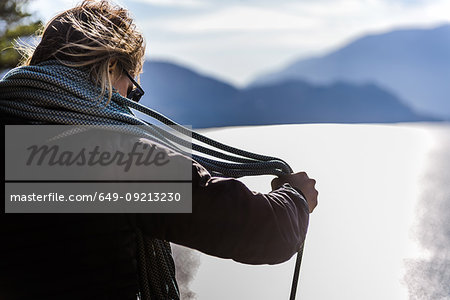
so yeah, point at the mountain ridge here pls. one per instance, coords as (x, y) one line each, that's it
(202, 101)
(412, 63)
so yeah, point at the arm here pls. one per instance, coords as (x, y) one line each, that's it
(230, 221)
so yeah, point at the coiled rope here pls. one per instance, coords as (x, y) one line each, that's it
(54, 93)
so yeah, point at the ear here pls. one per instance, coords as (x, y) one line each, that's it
(112, 66)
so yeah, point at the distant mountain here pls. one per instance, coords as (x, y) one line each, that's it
(186, 96)
(300, 102)
(414, 64)
(201, 101)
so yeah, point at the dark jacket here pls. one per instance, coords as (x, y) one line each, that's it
(80, 256)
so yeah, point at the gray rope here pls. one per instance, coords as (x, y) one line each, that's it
(53, 93)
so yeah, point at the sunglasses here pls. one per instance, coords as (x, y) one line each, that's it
(136, 93)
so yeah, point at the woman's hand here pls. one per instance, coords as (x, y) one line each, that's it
(302, 182)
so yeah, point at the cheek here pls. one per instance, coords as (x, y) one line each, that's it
(121, 85)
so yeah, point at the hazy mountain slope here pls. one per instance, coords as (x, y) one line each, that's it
(413, 63)
(186, 96)
(201, 101)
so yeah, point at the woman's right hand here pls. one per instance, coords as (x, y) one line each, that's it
(302, 182)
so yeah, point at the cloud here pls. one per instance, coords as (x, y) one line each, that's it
(237, 19)
(237, 39)
(288, 16)
(321, 24)
(175, 3)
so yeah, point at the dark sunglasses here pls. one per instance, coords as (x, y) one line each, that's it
(136, 93)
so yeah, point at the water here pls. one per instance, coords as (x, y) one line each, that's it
(381, 230)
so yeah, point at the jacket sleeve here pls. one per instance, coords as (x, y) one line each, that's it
(230, 221)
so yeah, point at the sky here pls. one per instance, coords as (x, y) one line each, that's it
(236, 41)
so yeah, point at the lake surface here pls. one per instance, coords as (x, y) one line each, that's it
(382, 227)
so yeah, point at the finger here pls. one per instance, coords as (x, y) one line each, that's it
(302, 175)
(276, 183)
(283, 177)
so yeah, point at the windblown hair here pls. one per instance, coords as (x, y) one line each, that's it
(92, 35)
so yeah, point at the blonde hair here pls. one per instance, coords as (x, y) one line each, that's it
(93, 35)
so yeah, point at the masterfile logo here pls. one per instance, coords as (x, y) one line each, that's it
(142, 154)
(95, 169)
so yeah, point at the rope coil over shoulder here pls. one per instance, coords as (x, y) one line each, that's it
(54, 93)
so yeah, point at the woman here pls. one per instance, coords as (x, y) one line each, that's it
(80, 73)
